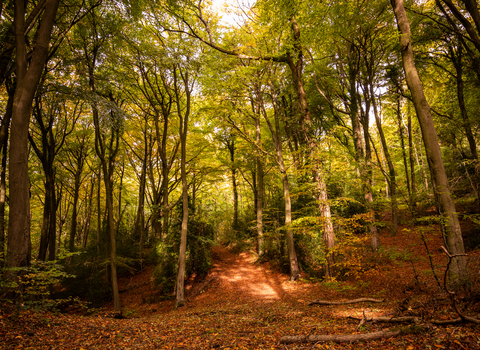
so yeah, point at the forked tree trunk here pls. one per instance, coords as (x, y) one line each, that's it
(29, 69)
(292, 255)
(452, 232)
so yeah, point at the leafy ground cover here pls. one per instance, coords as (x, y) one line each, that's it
(243, 304)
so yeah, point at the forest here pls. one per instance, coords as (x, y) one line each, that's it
(186, 174)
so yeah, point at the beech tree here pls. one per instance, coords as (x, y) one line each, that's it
(452, 234)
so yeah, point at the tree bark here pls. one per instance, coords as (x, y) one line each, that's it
(327, 225)
(259, 184)
(392, 182)
(183, 119)
(277, 141)
(338, 338)
(411, 155)
(28, 71)
(452, 232)
(457, 63)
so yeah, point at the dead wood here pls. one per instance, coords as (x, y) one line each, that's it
(338, 338)
(353, 301)
(462, 319)
(400, 319)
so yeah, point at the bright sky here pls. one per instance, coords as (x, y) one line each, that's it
(228, 9)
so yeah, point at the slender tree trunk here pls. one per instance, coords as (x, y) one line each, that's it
(99, 208)
(2, 203)
(183, 118)
(392, 182)
(411, 152)
(457, 63)
(139, 224)
(73, 224)
(260, 190)
(88, 216)
(229, 141)
(3, 184)
(452, 232)
(402, 144)
(367, 177)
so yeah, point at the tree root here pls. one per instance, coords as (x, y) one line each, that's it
(353, 301)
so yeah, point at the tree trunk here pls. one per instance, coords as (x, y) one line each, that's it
(29, 68)
(402, 144)
(392, 182)
(183, 118)
(458, 272)
(327, 225)
(292, 255)
(88, 216)
(367, 177)
(457, 63)
(2, 201)
(139, 224)
(412, 159)
(260, 189)
(99, 208)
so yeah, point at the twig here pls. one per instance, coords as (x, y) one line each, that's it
(453, 294)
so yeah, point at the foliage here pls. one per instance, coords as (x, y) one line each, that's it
(34, 286)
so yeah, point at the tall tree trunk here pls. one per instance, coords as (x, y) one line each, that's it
(411, 154)
(28, 71)
(402, 144)
(457, 63)
(327, 225)
(259, 200)
(139, 225)
(2, 201)
(458, 271)
(183, 119)
(392, 182)
(88, 215)
(229, 141)
(73, 224)
(367, 175)
(99, 208)
(292, 255)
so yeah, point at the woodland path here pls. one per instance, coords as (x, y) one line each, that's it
(242, 304)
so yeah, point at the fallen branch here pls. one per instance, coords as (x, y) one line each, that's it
(453, 294)
(338, 338)
(353, 301)
(400, 319)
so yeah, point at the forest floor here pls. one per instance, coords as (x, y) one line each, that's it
(244, 304)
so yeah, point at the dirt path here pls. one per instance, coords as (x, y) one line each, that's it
(242, 279)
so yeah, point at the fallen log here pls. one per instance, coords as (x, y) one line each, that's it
(353, 301)
(399, 319)
(338, 338)
(462, 319)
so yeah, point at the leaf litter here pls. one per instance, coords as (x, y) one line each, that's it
(249, 305)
